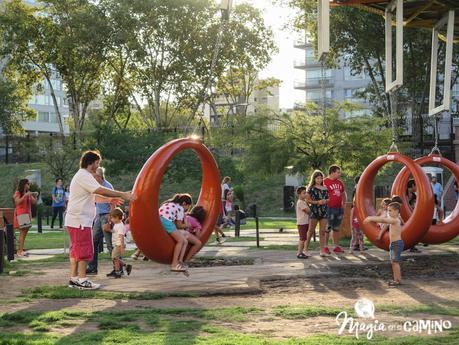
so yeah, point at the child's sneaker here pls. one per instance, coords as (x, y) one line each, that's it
(128, 269)
(111, 274)
(87, 285)
(117, 274)
(327, 251)
(338, 250)
(219, 241)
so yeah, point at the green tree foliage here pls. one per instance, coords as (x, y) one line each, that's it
(61, 157)
(69, 41)
(13, 106)
(27, 48)
(248, 46)
(80, 43)
(309, 139)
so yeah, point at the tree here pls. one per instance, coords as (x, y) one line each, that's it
(61, 158)
(308, 139)
(248, 46)
(13, 105)
(27, 46)
(79, 38)
(165, 48)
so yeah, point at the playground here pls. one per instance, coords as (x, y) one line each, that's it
(129, 266)
(236, 293)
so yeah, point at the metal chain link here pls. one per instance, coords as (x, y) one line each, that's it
(393, 146)
(436, 148)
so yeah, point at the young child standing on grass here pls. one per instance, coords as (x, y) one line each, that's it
(396, 242)
(302, 222)
(172, 215)
(119, 245)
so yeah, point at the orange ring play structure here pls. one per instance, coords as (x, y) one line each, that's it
(147, 231)
(417, 225)
(438, 233)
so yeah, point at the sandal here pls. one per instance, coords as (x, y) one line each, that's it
(178, 268)
(301, 256)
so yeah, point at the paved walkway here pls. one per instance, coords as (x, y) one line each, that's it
(150, 276)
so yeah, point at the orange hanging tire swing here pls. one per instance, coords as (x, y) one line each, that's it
(147, 231)
(417, 225)
(438, 233)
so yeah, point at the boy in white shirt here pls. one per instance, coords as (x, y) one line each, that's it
(119, 245)
(302, 222)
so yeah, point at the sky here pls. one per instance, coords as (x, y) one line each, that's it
(281, 66)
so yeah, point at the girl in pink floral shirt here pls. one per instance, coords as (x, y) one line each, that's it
(172, 215)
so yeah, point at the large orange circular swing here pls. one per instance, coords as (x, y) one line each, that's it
(438, 233)
(146, 227)
(417, 225)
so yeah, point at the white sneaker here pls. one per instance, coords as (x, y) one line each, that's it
(73, 284)
(88, 285)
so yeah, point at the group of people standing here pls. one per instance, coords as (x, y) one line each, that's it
(321, 203)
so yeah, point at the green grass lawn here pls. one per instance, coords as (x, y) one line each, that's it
(176, 326)
(46, 240)
(267, 223)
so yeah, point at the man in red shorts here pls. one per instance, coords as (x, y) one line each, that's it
(81, 211)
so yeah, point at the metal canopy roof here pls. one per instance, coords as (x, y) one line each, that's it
(416, 13)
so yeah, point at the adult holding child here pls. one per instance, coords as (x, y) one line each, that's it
(338, 197)
(23, 200)
(317, 198)
(81, 212)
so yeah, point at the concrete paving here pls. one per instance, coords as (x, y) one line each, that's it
(269, 264)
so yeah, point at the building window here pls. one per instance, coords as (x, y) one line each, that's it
(52, 117)
(43, 116)
(317, 73)
(315, 95)
(56, 84)
(353, 93)
(39, 99)
(348, 75)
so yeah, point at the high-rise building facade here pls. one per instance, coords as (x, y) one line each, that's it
(322, 84)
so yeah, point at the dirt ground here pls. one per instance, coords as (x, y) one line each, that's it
(428, 280)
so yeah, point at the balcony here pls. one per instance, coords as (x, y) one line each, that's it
(301, 44)
(305, 63)
(313, 83)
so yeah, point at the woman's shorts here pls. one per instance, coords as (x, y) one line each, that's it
(168, 225)
(303, 231)
(81, 244)
(396, 249)
(318, 217)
